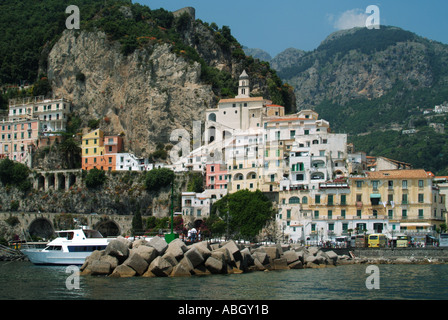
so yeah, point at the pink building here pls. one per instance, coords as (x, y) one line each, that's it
(18, 138)
(216, 176)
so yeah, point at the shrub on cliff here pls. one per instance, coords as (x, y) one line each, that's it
(95, 178)
(14, 174)
(157, 179)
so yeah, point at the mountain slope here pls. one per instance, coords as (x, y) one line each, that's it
(368, 82)
(138, 71)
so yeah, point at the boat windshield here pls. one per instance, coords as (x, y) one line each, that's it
(68, 235)
(92, 234)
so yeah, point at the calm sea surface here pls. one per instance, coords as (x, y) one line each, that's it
(23, 280)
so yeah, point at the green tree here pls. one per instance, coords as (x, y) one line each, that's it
(137, 223)
(157, 179)
(195, 183)
(248, 212)
(95, 178)
(71, 151)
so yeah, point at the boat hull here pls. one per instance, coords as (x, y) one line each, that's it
(40, 257)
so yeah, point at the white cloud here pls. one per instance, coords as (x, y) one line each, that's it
(350, 19)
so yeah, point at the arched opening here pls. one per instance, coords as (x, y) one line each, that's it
(71, 180)
(318, 164)
(238, 176)
(41, 228)
(51, 180)
(108, 228)
(294, 200)
(317, 176)
(251, 176)
(212, 117)
(61, 181)
(211, 134)
(40, 182)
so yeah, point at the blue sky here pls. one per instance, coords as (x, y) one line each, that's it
(277, 25)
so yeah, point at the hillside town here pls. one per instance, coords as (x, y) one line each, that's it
(321, 186)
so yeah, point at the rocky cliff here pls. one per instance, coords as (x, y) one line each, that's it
(146, 94)
(146, 86)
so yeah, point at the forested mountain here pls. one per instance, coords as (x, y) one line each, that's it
(134, 70)
(372, 84)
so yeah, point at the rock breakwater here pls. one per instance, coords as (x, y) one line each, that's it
(156, 258)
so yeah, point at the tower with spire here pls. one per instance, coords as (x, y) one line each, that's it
(243, 86)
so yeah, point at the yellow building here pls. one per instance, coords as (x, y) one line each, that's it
(389, 202)
(406, 196)
(93, 150)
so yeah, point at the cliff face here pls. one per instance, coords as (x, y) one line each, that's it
(146, 94)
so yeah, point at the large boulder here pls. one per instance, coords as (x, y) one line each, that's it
(113, 261)
(118, 249)
(139, 242)
(215, 266)
(136, 262)
(332, 256)
(160, 267)
(125, 241)
(313, 250)
(261, 256)
(146, 252)
(99, 268)
(272, 252)
(159, 244)
(123, 271)
(176, 249)
(95, 255)
(180, 271)
(194, 256)
(290, 256)
(203, 248)
(233, 250)
(280, 264)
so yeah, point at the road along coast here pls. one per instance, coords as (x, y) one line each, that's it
(156, 258)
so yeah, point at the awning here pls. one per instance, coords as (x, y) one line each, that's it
(375, 195)
(415, 224)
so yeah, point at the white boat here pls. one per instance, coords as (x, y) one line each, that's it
(71, 247)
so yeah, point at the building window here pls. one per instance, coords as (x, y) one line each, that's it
(317, 199)
(359, 184)
(330, 200)
(343, 199)
(316, 214)
(404, 213)
(404, 199)
(343, 214)
(330, 214)
(421, 183)
(420, 213)
(390, 213)
(294, 200)
(404, 184)
(358, 213)
(420, 198)
(375, 185)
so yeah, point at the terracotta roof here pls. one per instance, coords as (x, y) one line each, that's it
(241, 100)
(274, 106)
(398, 174)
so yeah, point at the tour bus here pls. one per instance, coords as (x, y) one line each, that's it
(403, 241)
(443, 242)
(361, 241)
(377, 240)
